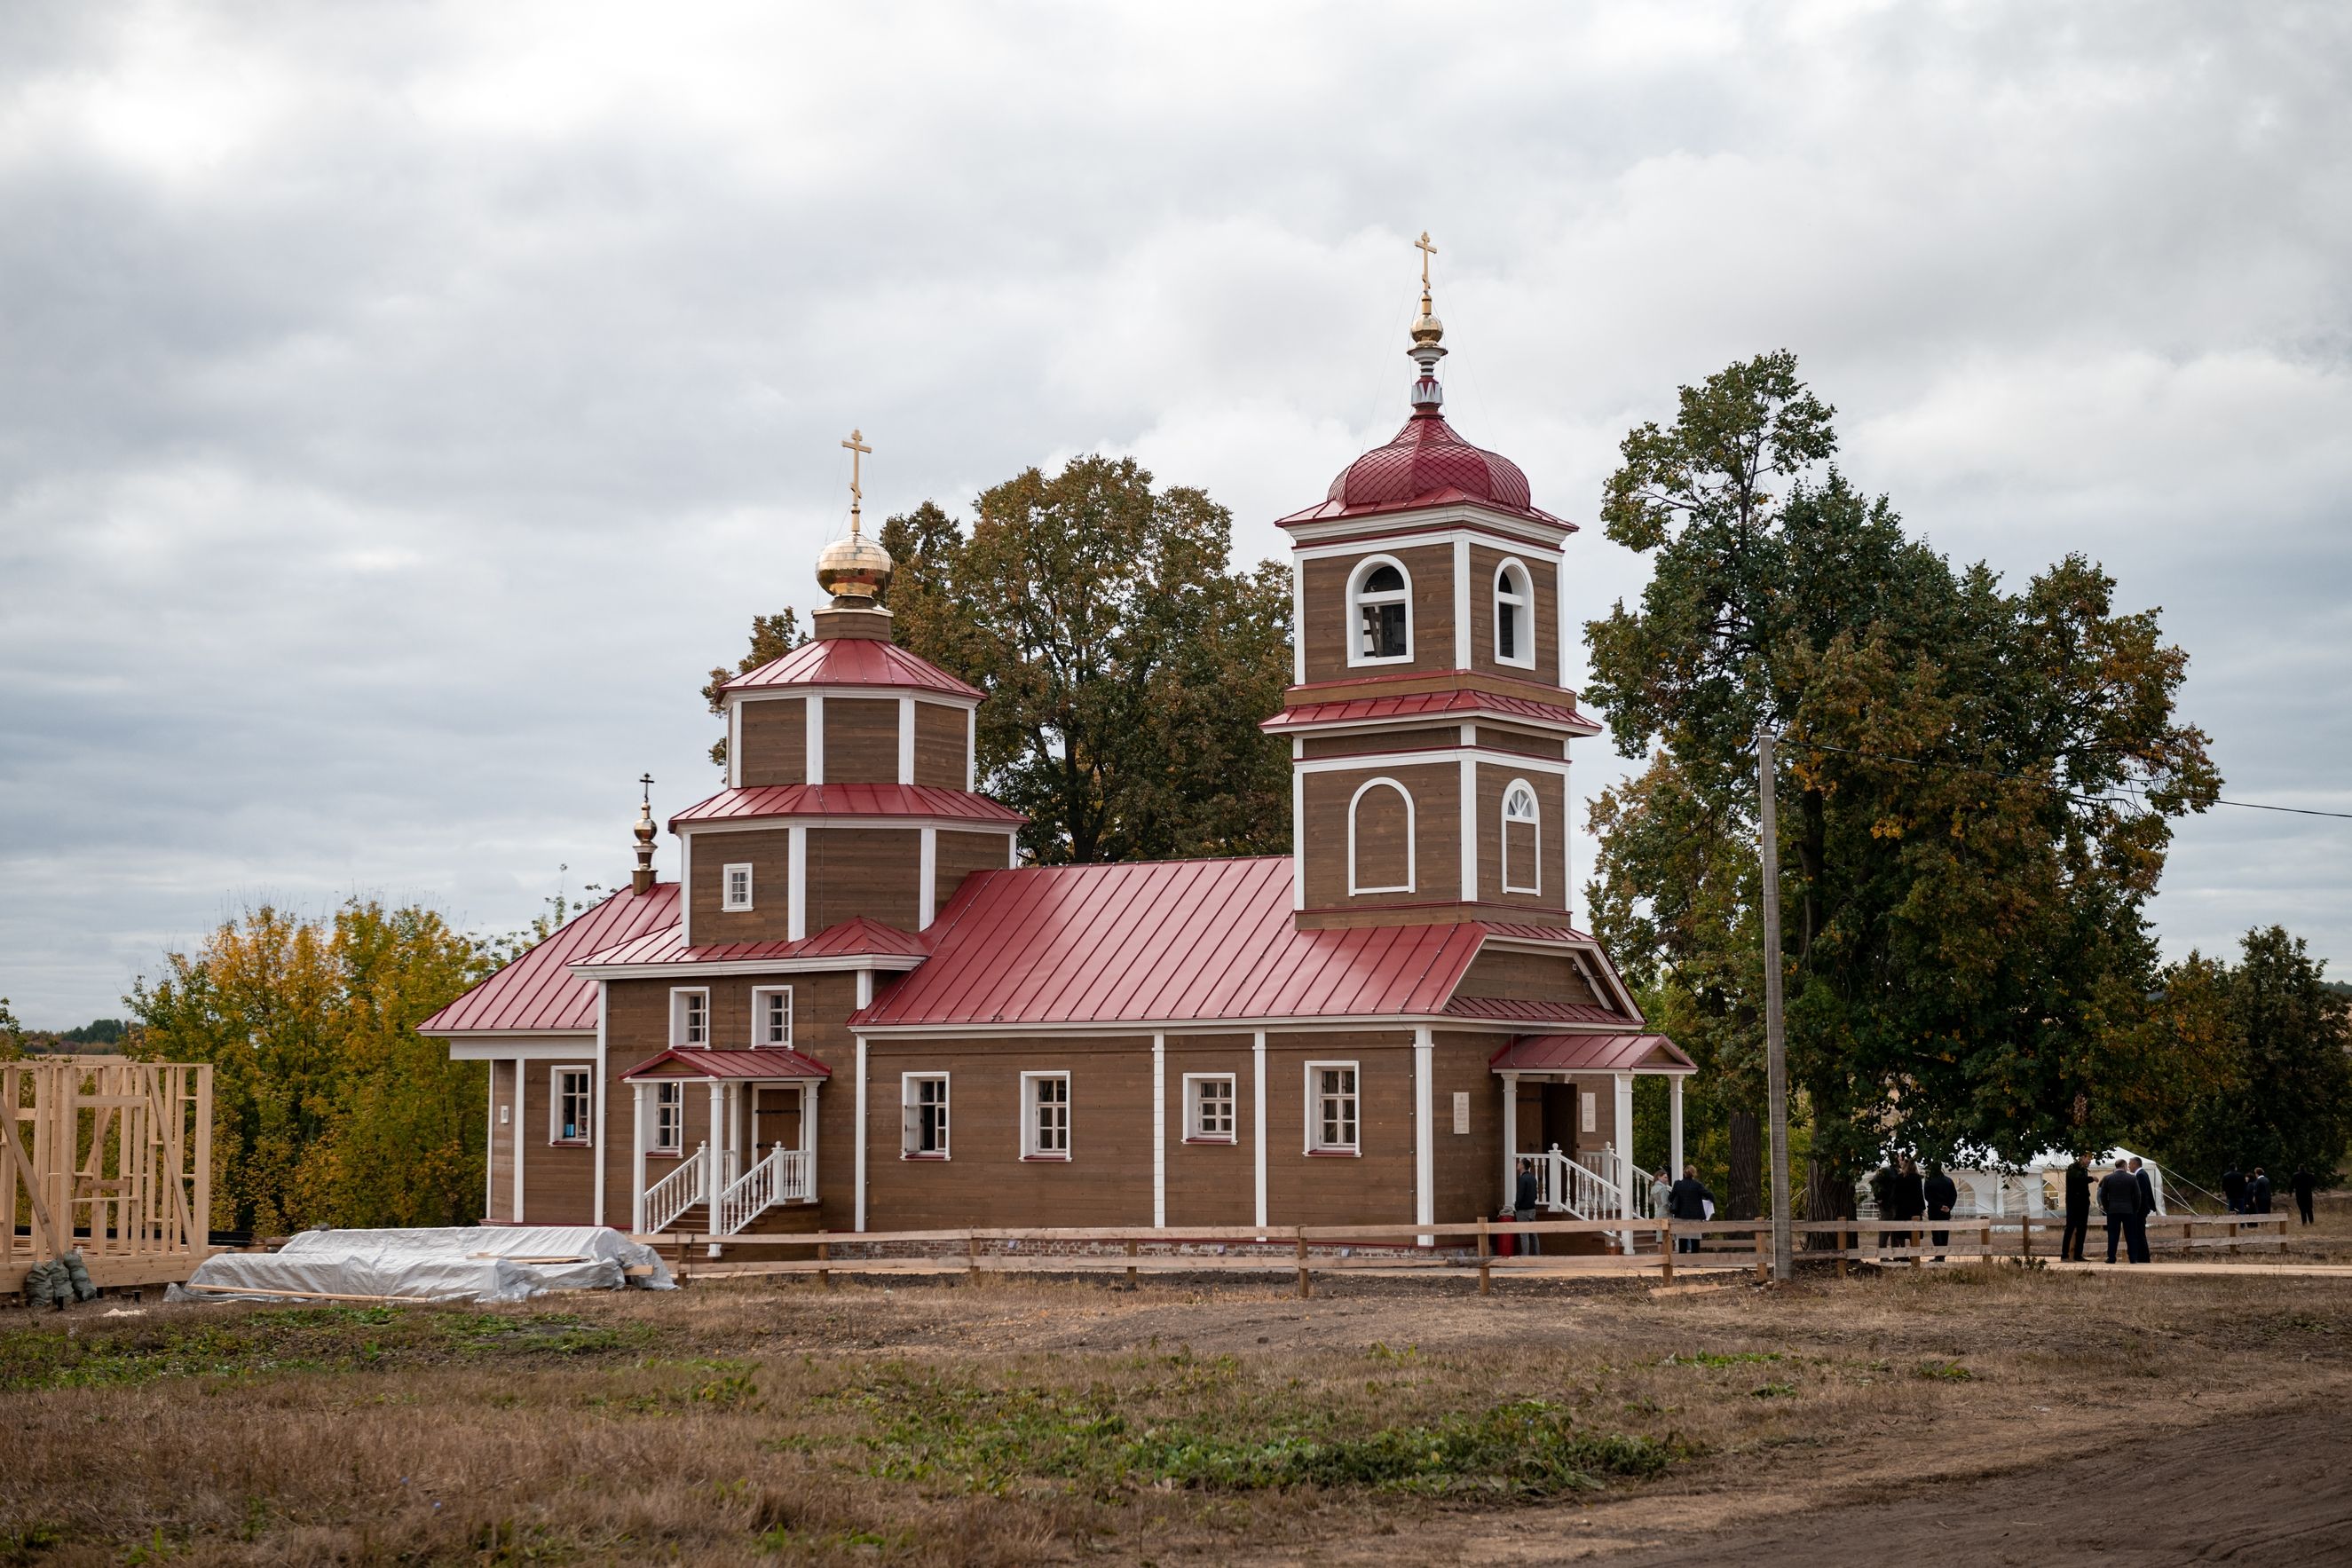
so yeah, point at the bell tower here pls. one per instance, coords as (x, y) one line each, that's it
(1428, 716)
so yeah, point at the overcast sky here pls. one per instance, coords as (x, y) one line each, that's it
(402, 407)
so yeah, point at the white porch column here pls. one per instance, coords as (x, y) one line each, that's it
(857, 1147)
(637, 1162)
(1257, 1116)
(1674, 1127)
(808, 1135)
(1628, 1173)
(1510, 1138)
(1159, 1132)
(1424, 1133)
(717, 1156)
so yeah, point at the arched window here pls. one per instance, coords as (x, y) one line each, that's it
(1522, 839)
(1379, 612)
(1379, 837)
(1515, 626)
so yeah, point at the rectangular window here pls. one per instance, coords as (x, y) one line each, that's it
(924, 1100)
(669, 1120)
(1331, 1108)
(772, 1015)
(738, 885)
(690, 1017)
(1046, 1115)
(1209, 1107)
(572, 1105)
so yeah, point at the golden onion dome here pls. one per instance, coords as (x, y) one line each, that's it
(853, 569)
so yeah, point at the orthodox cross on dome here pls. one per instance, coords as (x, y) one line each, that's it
(1427, 250)
(858, 449)
(1428, 336)
(642, 878)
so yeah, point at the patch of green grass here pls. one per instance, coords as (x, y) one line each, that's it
(1773, 1391)
(1728, 1358)
(1945, 1371)
(27, 1543)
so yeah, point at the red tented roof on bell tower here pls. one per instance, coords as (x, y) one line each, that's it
(1426, 465)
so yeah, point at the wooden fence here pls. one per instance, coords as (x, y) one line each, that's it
(107, 1157)
(1305, 1250)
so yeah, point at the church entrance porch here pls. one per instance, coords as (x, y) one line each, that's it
(1567, 1107)
(759, 1148)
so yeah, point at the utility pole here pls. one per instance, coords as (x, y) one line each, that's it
(1776, 1055)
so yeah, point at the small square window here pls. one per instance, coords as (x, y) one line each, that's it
(669, 1119)
(772, 1017)
(689, 1018)
(924, 1102)
(1331, 1108)
(573, 1106)
(1046, 1115)
(738, 885)
(1209, 1107)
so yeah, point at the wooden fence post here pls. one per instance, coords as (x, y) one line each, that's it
(1131, 1268)
(1666, 1251)
(1485, 1260)
(2025, 1236)
(1763, 1254)
(1842, 1248)
(972, 1249)
(823, 1276)
(1305, 1285)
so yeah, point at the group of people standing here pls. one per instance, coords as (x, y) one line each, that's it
(2252, 1194)
(2126, 1197)
(1906, 1192)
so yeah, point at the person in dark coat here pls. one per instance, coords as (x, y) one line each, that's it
(1914, 1197)
(1688, 1199)
(2078, 1212)
(2258, 1192)
(1523, 1208)
(2119, 1201)
(2138, 1232)
(2304, 1185)
(1943, 1194)
(1882, 1193)
(2233, 1190)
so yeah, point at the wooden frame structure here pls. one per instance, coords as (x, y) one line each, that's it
(108, 1156)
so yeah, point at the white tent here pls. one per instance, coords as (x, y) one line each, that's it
(1988, 1193)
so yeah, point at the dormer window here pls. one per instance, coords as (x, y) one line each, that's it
(1514, 640)
(1379, 609)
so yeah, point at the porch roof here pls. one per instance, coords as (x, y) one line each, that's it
(1592, 1053)
(772, 1064)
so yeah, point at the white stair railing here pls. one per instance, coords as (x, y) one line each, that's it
(781, 1177)
(677, 1192)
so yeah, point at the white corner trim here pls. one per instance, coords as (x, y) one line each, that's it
(971, 749)
(906, 740)
(1297, 833)
(1424, 1133)
(927, 875)
(1159, 1132)
(597, 1132)
(734, 744)
(814, 759)
(1257, 1117)
(795, 883)
(860, 1158)
(685, 888)
(521, 1081)
(1298, 620)
(1462, 601)
(1469, 829)
(1412, 831)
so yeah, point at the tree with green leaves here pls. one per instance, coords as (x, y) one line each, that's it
(773, 637)
(1982, 786)
(12, 1034)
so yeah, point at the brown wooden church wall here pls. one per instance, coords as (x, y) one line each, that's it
(861, 741)
(957, 855)
(1467, 1176)
(1360, 742)
(852, 872)
(940, 735)
(769, 852)
(1526, 976)
(1373, 1187)
(502, 1077)
(1543, 577)
(1325, 634)
(774, 735)
(1211, 1183)
(1526, 742)
(1437, 788)
(1551, 807)
(558, 1180)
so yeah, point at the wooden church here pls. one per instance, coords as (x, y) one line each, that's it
(857, 1008)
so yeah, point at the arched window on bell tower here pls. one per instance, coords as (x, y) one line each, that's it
(1515, 632)
(1380, 839)
(1379, 612)
(1522, 839)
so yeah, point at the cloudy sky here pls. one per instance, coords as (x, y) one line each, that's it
(402, 406)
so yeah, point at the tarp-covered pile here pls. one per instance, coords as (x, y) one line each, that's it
(495, 1263)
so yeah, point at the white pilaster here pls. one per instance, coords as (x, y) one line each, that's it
(1461, 602)
(1159, 1132)
(1424, 1128)
(926, 875)
(734, 743)
(685, 888)
(1297, 830)
(796, 880)
(489, 1148)
(906, 740)
(521, 1067)
(643, 1091)
(816, 738)
(1627, 1172)
(971, 749)
(596, 1128)
(1510, 1138)
(1257, 1116)
(865, 999)
(1298, 623)
(714, 1155)
(1674, 1127)
(1469, 829)
(808, 1134)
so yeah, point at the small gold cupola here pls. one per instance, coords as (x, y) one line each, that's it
(641, 880)
(1428, 338)
(853, 569)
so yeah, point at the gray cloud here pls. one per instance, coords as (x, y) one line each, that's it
(402, 407)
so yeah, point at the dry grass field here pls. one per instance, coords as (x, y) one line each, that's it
(1977, 1414)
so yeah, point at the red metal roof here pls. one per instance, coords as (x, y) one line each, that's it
(1430, 704)
(768, 1062)
(849, 800)
(852, 662)
(1174, 941)
(1592, 1053)
(1426, 465)
(538, 990)
(860, 939)
(1521, 1010)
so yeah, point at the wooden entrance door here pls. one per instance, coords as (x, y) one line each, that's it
(1562, 1116)
(776, 1115)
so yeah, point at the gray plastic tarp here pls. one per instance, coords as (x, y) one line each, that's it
(490, 1263)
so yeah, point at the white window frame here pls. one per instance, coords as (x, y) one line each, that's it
(1412, 837)
(1033, 1139)
(1194, 1132)
(1314, 1086)
(909, 1137)
(1533, 824)
(670, 1118)
(729, 899)
(587, 1073)
(760, 996)
(680, 1029)
(1358, 598)
(1515, 585)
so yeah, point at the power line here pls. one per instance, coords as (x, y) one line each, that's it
(2027, 778)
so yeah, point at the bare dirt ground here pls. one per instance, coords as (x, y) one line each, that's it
(1977, 1414)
